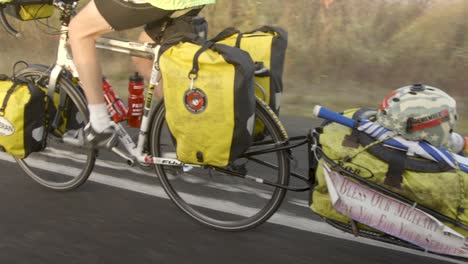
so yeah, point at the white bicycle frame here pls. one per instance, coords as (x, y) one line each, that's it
(145, 50)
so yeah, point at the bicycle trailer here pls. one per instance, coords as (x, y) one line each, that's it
(426, 206)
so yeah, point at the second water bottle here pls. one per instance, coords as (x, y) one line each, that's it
(136, 86)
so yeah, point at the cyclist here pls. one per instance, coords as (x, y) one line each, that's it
(99, 17)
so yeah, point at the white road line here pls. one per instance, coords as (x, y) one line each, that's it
(280, 218)
(63, 154)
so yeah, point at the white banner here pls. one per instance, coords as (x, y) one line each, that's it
(393, 217)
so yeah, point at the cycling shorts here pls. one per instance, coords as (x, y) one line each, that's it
(121, 15)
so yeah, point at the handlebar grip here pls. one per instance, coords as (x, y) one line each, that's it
(322, 112)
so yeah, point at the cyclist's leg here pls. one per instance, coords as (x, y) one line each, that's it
(85, 28)
(96, 19)
(145, 66)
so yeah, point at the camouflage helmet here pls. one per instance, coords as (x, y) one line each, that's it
(419, 112)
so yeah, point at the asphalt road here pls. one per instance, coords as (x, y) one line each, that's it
(121, 215)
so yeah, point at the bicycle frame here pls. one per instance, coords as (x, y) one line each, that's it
(151, 51)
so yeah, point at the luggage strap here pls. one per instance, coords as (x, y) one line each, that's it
(7, 98)
(193, 74)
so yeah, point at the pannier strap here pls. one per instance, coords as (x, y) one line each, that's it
(225, 34)
(396, 167)
(7, 97)
(239, 39)
(193, 74)
(228, 32)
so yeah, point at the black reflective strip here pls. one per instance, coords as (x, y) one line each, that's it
(228, 32)
(244, 96)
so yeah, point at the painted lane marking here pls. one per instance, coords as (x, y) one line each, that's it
(280, 218)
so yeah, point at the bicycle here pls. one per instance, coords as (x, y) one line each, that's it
(250, 200)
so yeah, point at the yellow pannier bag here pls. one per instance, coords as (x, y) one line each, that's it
(22, 117)
(209, 99)
(424, 182)
(267, 47)
(30, 10)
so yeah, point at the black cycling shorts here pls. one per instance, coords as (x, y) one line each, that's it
(123, 15)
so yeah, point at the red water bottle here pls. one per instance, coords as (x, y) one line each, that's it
(136, 86)
(114, 104)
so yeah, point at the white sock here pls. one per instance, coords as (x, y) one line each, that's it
(99, 117)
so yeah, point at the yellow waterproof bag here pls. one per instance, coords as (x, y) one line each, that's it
(267, 47)
(209, 99)
(22, 117)
(30, 10)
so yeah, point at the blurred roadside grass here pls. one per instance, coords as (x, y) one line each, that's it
(344, 95)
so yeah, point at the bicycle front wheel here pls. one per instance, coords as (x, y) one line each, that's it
(60, 166)
(219, 200)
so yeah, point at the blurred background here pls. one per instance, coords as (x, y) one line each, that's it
(342, 53)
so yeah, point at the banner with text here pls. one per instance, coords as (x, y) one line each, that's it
(393, 217)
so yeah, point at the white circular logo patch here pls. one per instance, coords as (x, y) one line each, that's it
(6, 128)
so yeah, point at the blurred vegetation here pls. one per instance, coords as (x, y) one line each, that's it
(348, 53)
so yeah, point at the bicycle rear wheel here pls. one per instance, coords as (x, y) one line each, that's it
(219, 200)
(60, 166)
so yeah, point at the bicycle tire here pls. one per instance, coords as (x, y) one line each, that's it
(210, 199)
(60, 166)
